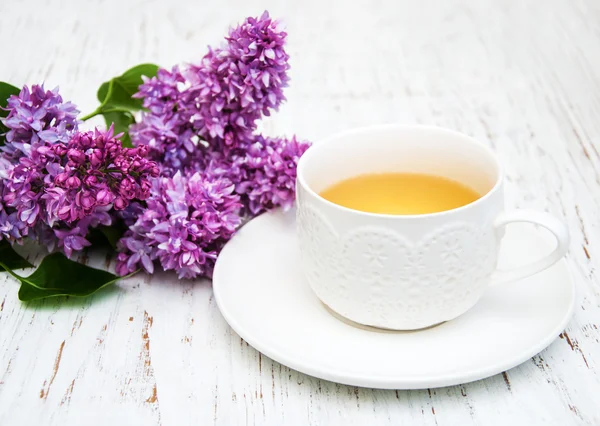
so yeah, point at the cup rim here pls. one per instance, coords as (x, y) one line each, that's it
(322, 142)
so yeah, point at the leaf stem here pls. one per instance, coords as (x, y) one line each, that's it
(93, 114)
(105, 111)
(10, 271)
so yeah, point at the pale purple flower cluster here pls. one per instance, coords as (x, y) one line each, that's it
(271, 173)
(217, 101)
(264, 172)
(200, 128)
(188, 219)
(166, 127)
(37, 116)
(186, 222)
(237, 84)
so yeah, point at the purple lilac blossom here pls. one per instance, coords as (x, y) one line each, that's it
(186, 222)
(218, 101)
(56, 183)
(165, 128)
(94, 170)
(264, 172)
(35, 117)
(270, 165)
(199, 127)
(11, 228)
(235, 85)
(68, 181)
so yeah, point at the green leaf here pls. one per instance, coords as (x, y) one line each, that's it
(131, 79)
(59, 276)
(11, 258)
(5, 91)
(116, 102)
(116, 95)
(103, 91)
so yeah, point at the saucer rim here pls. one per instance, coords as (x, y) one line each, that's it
(395, 382)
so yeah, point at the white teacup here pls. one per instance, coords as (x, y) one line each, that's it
(407, 272)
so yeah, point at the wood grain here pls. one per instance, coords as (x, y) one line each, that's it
(522, 76)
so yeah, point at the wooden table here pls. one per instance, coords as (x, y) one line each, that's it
(522, 76)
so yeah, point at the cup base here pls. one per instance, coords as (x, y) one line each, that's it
(373, 328)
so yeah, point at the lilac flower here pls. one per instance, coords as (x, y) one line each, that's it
(71, 239)
(186, 222)
(36, 117)
(235, 85)
(199, 127)
(271, 173)
(217, 102)
(56, 183)
(22, 191)
(44, 235)
(165, 129)
(93, 170)
(140, 253)
(131, 213)
(264, 173)
(11, 228)
(67, 182)
(162, 92)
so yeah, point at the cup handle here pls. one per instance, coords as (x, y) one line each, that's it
(545, 220)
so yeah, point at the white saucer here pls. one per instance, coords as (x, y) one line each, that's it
(261, 292)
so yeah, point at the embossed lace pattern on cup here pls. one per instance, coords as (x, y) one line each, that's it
(382, 274)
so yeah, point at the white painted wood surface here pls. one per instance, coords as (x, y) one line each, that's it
(522, 76)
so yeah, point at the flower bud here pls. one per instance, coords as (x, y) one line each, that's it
(104, 197)
(90, 180)
(73, 182)
(96, 158)
(119, 203)
(61, 178)
(76, 156)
